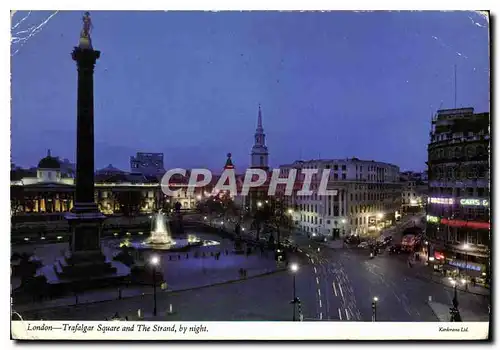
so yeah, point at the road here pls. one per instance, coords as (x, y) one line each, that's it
(347, 280)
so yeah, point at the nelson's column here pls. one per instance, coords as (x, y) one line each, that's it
(85, 220)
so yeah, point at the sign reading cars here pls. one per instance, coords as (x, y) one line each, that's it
(475, 202)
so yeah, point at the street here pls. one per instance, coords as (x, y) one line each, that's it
(347, 281)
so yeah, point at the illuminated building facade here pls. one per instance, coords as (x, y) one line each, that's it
(368, 197)
(458, 210)
(48, 190)
(414, 192)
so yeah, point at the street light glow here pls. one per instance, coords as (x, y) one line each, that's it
(466, 245)
(453, 282)
(431, 258)
(290, 211)
(380, 215)
(155, 260)
(343, 221)
(198, 197)
(463, 281)
(294, 267)
(259, 204)
(375, 299)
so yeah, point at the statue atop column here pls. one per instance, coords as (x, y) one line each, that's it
(85, 40)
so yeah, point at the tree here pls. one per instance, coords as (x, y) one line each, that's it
(130, 202)
(17, 201)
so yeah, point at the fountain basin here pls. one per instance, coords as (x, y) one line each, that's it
(179, 245)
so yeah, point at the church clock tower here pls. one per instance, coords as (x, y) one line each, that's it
(259, 155)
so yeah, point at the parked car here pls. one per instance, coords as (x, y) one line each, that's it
(395, 249)
(352, 239)
(318, 237)
(363, 245)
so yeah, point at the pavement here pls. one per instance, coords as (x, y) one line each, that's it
(258, 299)
(442, 312)
(180, 272)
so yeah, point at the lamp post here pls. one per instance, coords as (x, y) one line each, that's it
(379, 217)
(374, 309)
(466, 247)
(294, 268)
(154, 262)
(343, 221)
(427, 247)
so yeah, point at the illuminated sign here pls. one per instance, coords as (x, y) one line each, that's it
(475, 202)
(432, 219)
(439, 255)
(470, 224)
(463, 265)
(434, 200)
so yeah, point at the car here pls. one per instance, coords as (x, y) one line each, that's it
(395, 249)
(363, 245)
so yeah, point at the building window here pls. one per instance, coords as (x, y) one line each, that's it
(261, 160)
(343, 177)
(328, 222)
(335, 167)
(344, 167)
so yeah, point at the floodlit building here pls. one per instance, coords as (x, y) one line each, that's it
(458, 208)
(367, 197)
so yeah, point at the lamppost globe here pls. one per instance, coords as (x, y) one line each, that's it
(155, 260)
(294, 267)
(290, 211)
(463, 281)
(380, 215)
(259, 204)
(375, 299)
(453, 282)
(466, 245)
(343, 221)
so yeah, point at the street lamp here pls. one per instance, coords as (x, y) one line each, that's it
(155, 260)
(374, 309)
(294, 268)
(466, 247)
(290, 211)
(259, 204)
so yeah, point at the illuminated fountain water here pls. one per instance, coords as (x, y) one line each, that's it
(160, 234)
(161, 239)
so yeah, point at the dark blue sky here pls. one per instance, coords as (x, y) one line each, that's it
(331, 84)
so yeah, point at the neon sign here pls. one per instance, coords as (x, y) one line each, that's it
(434, 200)
(475, 202)
(463, 265)
(469, 224)
(434, 219)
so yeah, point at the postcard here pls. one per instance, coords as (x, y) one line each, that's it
(250, 175)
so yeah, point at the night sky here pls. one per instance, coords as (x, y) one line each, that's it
(331, 84)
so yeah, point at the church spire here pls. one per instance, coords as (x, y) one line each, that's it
(259, 150)
(259, 119)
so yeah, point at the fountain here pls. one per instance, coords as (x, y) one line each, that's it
(160, 238)
(160, 235)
